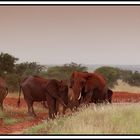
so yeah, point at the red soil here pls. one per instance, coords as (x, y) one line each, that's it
(11, 101)
(125, 97)
(118, 97)
(16, 128)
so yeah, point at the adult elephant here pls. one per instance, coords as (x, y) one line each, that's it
(89, 87)
(35, 90)
(3, 92)
(77, 84)
(96, 89)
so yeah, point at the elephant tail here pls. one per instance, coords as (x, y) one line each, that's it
(6, 91)
(18, 103)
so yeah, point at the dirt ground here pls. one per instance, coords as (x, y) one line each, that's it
(125, 97)
(17, 128)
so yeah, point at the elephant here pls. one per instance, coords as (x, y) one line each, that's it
(31, 86)
(97, 89)
(56, 92)
(77, 83)
(3, 91)
(38, 89)
(89, 87)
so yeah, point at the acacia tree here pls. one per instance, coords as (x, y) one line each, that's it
(29, 68)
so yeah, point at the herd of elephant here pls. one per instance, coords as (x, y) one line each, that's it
(83, 88)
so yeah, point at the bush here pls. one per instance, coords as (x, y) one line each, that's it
(63, 72)
(110, 74)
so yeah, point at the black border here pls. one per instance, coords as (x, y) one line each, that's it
(73, 135)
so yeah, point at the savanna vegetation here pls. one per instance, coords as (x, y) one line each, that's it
(14, 72)
(112, 75)
(104, 119)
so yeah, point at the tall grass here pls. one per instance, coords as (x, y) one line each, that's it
(105, 119)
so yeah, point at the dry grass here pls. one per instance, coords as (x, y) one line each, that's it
(122, 86)
(106, 119)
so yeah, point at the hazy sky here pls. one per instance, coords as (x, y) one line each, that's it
(64, 34)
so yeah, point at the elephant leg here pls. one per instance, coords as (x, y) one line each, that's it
(95, 96)
(1, 105)
(30, 108)
(57, 107)
(44, 104)
(52, 106)
(64, 110)
(88, 97)
(3, 95)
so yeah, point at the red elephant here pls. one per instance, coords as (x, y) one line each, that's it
(3, 92)
(89, 87)
(37, 89)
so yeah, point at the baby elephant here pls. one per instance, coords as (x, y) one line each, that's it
(3, 92)
(55, 92)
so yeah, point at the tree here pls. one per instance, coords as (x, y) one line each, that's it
(135, 79)
(126, 75)
(110, 74)
(63, 72)
(26, 68)
(13, 73)
(7, 63)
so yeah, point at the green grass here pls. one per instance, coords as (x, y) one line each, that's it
(9, 114)
(1, 114)
(34, 129)
(8, 120)
(11, 121)
(107, 119)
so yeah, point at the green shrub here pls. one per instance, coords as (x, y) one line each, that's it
(110, 74)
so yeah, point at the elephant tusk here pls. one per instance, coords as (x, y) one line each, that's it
(79, 96)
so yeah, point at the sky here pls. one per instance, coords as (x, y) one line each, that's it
(65, 34)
